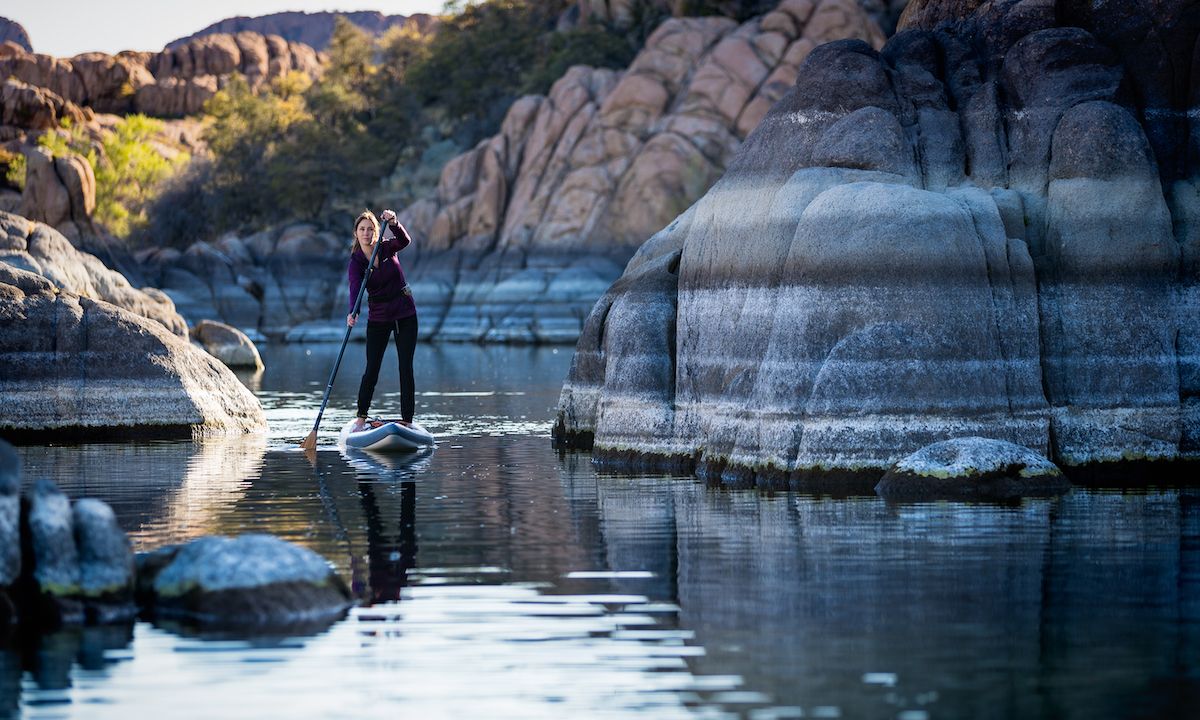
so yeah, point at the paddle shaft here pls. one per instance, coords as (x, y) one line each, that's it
(362, 289)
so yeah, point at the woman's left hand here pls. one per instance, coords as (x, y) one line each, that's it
(387, 216)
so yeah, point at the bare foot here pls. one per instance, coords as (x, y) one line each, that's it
(360, 424)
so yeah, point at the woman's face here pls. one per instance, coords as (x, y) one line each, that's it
(364, 232)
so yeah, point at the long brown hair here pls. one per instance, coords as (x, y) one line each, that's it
(364, 215)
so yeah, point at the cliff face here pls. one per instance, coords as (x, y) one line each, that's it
(312, 29)
(988, 228)
(579, 178)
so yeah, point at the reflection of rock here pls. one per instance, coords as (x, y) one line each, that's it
(972, 468)
(227, 344)
(939, 587)
(251, 580)
(987, 229)
(80, 367)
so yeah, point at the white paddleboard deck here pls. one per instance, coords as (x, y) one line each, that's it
(386, 437)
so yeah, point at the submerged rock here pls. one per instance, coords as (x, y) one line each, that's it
(972, 468)
(227, 344)
(991, 227)
(247, 581)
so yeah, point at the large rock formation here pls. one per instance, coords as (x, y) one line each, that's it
(313, 29)
(76, 367)
(990, 228)
(173, 82)
(13, 32)
(40, 249)
(528, 228)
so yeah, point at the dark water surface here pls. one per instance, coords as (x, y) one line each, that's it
(501, 580)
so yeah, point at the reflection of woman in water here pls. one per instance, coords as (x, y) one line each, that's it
(389, 558)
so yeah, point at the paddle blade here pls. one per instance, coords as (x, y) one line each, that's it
(310, 442)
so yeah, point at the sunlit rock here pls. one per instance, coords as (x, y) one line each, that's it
(972, 468)
(227, 344)
(250, 580)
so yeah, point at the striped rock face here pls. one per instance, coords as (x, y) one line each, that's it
(987, 229)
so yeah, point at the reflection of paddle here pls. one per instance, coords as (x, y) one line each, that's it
(310, 442)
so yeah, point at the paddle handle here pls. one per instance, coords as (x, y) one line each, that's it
(362, 289)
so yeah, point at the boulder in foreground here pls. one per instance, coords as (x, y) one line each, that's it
(972, 468)
(251, 581)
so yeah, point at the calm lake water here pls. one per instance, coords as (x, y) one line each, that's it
(502, 580)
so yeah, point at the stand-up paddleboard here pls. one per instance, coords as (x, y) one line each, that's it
(387, 436)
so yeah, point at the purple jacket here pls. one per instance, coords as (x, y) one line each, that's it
(385, 289)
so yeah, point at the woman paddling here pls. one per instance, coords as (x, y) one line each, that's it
(392, 310)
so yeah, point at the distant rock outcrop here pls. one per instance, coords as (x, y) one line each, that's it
(13, 32)
(170, 83)
(989, 228)
(313, 29)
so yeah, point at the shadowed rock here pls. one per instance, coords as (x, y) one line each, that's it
(991, 227)
(105, 561)
(972, 468)
(251, 580)
(52, 537)
(10, 515)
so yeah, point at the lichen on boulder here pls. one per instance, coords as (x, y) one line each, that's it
(250, 580)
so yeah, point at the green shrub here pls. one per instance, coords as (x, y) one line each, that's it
(12, 169)
(127, 166)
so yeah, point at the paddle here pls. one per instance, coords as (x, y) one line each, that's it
(310, 442)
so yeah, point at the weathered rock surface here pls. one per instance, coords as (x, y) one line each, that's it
(972, 468)
(529, 227)
(52, 538)
(313, 29)
(13, 32)
(38, 248)
(250, 580)
(105, 555)
(73, 366)
(989, 228)
(170, 83)
(10, 515)
(227, 344)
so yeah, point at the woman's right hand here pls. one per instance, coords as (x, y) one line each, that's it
(350, 320)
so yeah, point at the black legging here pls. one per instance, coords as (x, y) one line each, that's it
(406, 345)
